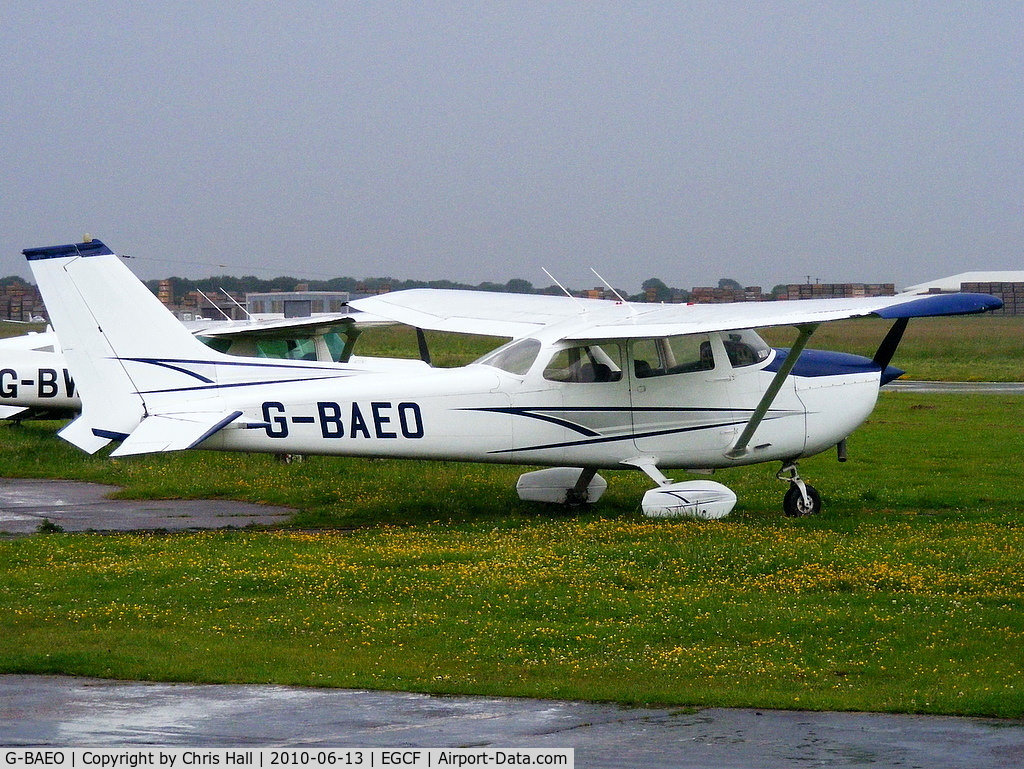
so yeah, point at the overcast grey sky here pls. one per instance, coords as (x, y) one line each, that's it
(690, 141)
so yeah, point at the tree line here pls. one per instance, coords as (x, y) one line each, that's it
(652, 289)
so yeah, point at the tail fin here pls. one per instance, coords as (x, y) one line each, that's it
(132, 360)
(86, 295)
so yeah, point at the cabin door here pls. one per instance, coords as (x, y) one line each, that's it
(681, 397)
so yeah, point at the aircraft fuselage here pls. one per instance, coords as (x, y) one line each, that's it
(484, 414)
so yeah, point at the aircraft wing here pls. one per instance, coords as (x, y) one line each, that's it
(665, 320)
(477, 312)
(517, 315)
(45, 341)
(275, 328)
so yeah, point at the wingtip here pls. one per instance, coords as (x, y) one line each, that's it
(932, 305)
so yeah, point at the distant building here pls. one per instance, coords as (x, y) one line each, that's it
(1012, 294)
(196, 305)
(21, 301)
(837, 290)
(709, 295)
(599, 292)
(296, 304)
(953, 283)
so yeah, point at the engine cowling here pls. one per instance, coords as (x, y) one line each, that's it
(695, 499)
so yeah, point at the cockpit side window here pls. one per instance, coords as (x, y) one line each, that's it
(515, 357)
(745, 348)
(289, 349)
(585, 363)
(683, 354)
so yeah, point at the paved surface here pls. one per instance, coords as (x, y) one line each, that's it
(990, 388)
(72, 712)
(75, 506)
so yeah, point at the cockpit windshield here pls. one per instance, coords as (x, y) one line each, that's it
(745, 348)
(516, 357)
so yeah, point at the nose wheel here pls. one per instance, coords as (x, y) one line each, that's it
(801, 499)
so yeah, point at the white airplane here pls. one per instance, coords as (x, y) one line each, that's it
(34, 379)
(582, 386)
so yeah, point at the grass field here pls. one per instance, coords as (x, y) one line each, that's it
(905, 595)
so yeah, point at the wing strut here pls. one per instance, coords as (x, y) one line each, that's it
(421, 340)
(883, 356)
(739, 449)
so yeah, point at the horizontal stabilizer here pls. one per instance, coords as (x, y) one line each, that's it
(175, 432)
(8, 412)
(80, 433)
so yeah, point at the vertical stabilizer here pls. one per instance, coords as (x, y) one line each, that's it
(104, 316)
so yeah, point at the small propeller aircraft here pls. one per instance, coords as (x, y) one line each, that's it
(583, 385)
(34, 380)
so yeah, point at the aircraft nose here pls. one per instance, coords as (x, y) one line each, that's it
(815, 363)
(890, 373)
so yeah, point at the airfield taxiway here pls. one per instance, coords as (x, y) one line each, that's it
(26, 503)
(69, 712)
(958, 388)
(73, 712)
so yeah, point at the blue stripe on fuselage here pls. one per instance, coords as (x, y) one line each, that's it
(815, 363)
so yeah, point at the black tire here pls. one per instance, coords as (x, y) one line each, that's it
(793, 503)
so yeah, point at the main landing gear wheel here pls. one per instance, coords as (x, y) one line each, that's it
(793, 503)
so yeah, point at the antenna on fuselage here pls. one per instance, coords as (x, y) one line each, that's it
(608, 285)
(248, 315)
(565, 290)
(213, 304)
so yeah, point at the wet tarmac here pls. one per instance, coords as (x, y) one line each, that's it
(72, 712)
(958, 388)
(75, 506)
(61, 711)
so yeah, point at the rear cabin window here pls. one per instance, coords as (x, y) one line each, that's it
(585, 363)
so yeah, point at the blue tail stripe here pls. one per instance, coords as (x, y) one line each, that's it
(92, 248)
(217, 427)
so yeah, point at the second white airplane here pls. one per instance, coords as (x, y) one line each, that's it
(584, 385)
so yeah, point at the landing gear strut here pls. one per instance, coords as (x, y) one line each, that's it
(801, 499)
